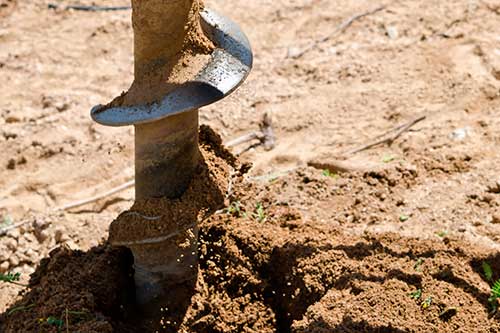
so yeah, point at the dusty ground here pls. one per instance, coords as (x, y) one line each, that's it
(435, 59)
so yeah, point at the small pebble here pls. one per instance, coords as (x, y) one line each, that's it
(12, 119)
(4, 267)
(11, 244)
(15, 234)
(495, 187)
(40, 224)
(14, 261)
(31, 255)
(392, 32)
(60, 235)
(11, 164)
(42, 236)
(72, 245)
(461, 133)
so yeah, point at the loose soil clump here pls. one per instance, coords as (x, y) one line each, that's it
(263, 268)
(6, 7)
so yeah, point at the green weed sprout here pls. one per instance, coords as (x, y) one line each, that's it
(426, 303)
(488, 272)
(328, 173)
(417, 294)
(11, 278)
(234, 209)
(495, 295)
(403, 218)
(259, 214)
(388, 159)
(418, 265)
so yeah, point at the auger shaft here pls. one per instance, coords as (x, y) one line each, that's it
(166, 156)
(166, 150)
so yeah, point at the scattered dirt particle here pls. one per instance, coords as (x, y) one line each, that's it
(11, 164)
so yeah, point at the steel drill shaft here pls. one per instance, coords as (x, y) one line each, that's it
(166, 156)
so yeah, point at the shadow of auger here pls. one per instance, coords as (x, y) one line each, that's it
(285, 259)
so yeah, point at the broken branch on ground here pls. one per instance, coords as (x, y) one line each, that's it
(386, 138)
(297, 53)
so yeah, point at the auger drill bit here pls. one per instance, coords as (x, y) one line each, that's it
(186, 57)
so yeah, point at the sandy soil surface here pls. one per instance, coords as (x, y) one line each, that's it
(438, 181)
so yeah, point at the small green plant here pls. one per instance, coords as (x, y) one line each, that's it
(234, 209)
(388, 159)
(417, 294)
(442, 233)
(418, 264)
(7, 220)
(12, 278)
(488, 272)
(273, 179)
(328, 173)
(403, 218)
(53, 321)
(66, 316)
(259, 214)
(495, 295)
(426, 303)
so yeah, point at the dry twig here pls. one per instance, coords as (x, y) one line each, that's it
(95, 198)
(338, 166)
(385, 139)
(265, 137)
(5, 230)
(244, 139)
(295, 54)
(90, 8)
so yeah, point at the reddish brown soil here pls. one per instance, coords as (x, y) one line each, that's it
(288, 276)
(90, 287)
(264, 269)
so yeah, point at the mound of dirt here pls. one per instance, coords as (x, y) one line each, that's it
(278, 275)
(263, 268)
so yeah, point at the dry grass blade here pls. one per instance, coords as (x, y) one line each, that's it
(399, 130)
(340, 29)
(95, 198)
(5, 230)
(265, 136)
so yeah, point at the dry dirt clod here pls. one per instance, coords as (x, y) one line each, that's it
(4, 266)
(60, 235)
(42, 235)
(494, 188)
(11, 244)
(495, 219)
(14, 261)
(40, 224)
(11, 165)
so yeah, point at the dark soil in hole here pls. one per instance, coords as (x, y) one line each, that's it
(263, 269)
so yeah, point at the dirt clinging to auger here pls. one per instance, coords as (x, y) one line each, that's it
(170, 48)
(205, 195)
